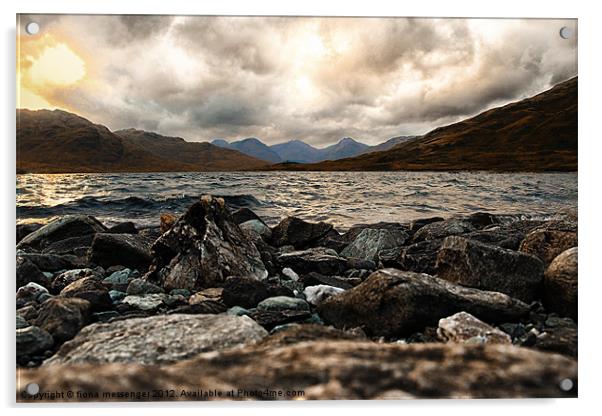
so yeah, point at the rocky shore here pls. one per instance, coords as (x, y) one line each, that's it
(216, 302)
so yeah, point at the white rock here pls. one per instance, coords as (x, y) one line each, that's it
(145, 302)
(317, 294)
(290, 273)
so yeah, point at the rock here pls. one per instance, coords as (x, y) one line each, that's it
(237, 311)
(67, 277)
(63, 317)
(561, 284)
(370, 242)
(28, 272)
(202, 249)
(29, 293)
(126, 227)
(90, 289)
(279, 303)
(333, 240)
(33, 340)
(289, 334)
(496, 238)
(147, 302)
(77, 246)
(321, 260)
(243, 215)
(271, 319)
(207, 306)
(298, 233)
(464, 328)
(419, 223)
(21, 322)
(317, 294)
(140, 286)
(183, 292)
(61, 229)
(116, 295)
(25, 229)
(29, 312)
(334, 369)
(130, 250)
(558, 335)
(120, 280)
(481, 219)
(419, 257)
(474, 264)
(314, 279)
(167, 221)
(394, 303)
(547, 244)
(290, 273)
(257, 227)
(243, 291)
(157, 340)
(442, 229)
(53, 262)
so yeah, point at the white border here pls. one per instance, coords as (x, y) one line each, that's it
(589, 184)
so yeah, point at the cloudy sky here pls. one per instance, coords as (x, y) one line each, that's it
(281, 78)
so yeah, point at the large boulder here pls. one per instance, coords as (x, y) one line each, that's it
(463, 328)
(90, 289)
(129, 250)
(483, 266)
(202, 249)
(395, 303)
(547, 244)
(244, 292)
(561, 284)
(332, 369)
(298, 233)
(370, 242)
(60, 229)
(319, 259)
(32, 340)
(419, 257)
(157, 340)
(28, 272)
(63, 317)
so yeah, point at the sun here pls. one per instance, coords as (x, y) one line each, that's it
(57, 66)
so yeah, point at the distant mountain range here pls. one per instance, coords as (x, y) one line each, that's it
(61, 142)
(535, 134)
(301, 152)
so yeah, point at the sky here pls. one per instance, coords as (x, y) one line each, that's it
(283, 78)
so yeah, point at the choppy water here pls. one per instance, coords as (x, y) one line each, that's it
(342, 198)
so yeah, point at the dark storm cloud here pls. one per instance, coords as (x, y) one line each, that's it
(316, 79)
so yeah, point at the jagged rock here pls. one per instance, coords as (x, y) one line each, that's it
(140, 286)
(61, 229)
(244, 292)
(419, 257)
(202, 249)
(334, 369)
(371, 241)
(474, 264)
(421, 222)
(63, 317)
(464, 328)
(547, 244)
(32, 340)
(442, 229)
(395, 303)
(258, 228)
(561, 284)
(29, 293)
(298, 233)
(28, 272)
(120, 279)
(90, 289)
(147, 302)
(69, 276)
(317, 294)
(126, 227)
(129, 250)
(157, 339)
(321, 260)
(25, 229)
(279, 303)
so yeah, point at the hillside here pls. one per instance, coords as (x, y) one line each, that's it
(60, 142)
(252, 147)
(535, 134)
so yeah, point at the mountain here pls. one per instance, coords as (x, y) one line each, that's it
(346, 147)
(297, 151)
(252, 147)
(393, 141)
(535, 134)
(61, 142)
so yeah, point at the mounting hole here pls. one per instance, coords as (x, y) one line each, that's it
(32, 28)
(32, 389)
(566, 384)
(566, 32)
